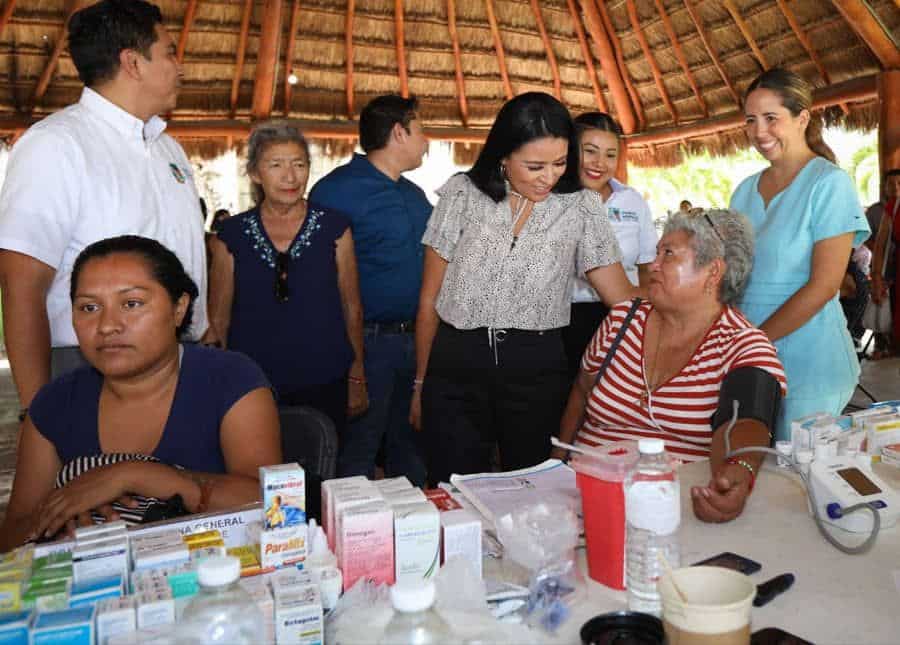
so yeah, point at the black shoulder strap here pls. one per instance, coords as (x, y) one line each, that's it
(618, 339)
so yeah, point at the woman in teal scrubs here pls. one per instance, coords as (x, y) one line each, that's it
(807, 219)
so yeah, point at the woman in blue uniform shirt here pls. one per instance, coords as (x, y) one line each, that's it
(807, 218)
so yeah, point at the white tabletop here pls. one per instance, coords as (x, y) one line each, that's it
(836, 598)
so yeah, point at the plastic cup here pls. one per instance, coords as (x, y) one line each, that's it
(717, 611)
(599, 476)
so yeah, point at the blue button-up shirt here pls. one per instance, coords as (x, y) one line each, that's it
(388, 220)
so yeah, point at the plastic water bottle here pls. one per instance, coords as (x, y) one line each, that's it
(415, 622)
(221, 612)
(652, 514)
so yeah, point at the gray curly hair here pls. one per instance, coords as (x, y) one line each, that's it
(264, 134)
(718, 233)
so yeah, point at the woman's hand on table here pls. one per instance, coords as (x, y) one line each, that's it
(723, 498)
(71, 505)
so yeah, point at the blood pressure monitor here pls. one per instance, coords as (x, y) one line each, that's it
(841, 482)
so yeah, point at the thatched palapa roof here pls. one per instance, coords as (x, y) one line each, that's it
(672, 71)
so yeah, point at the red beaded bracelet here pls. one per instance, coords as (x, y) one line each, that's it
(741, 462)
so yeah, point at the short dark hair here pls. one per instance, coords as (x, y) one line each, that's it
(521, 120)
(164, 265)
(380, 116)
(597, 121)
(893, 172)
(98, 33)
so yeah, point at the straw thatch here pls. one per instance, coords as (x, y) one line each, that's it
(320, 50)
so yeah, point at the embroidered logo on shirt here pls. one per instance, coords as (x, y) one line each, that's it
(177, 173)
(621, 216)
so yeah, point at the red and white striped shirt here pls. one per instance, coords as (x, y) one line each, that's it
(680, 410)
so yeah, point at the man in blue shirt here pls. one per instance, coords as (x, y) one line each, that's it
(387, 215)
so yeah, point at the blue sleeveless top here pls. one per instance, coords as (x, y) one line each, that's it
(210, 382)
(303, 341)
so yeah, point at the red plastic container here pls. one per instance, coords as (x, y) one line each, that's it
(599, 476)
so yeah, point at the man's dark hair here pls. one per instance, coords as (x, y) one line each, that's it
(379, 117)
(521, 120)
(893, 172)
(164, 266)
(98, 33)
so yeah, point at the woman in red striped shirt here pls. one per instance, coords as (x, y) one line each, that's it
(688, 364)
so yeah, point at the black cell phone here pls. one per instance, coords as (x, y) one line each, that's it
(733, 561)
(775, 636)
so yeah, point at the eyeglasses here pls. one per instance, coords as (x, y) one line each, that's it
(696, 212)
(281, 277)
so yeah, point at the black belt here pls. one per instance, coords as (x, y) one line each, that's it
(400, 327)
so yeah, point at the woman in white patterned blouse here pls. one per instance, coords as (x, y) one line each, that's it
(500, 247)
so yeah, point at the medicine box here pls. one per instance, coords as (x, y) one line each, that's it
(461, 538)
(441, 499)
(69, 627)
(391, 484)
(155, 608)
(329, 488)
(407, 496)
(417, 541)
(100, 559)
(284, 495)
(115, 616)
(281, 547)
(14, 627)
(347, 498)
(298, 617)
(290, 579)
(365, 540)
(88, 592)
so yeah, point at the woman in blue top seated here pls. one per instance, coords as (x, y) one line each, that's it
(150, 418)
(284, 288)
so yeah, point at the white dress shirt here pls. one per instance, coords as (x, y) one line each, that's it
(93, 171)
(632, 222)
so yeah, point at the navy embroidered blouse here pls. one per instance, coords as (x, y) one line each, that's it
(302, 341)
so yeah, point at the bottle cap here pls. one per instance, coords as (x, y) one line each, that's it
(651, 446)
(217, 571)
(412, 596)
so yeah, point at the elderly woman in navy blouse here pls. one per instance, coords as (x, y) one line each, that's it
(284, 288)
(149, 420)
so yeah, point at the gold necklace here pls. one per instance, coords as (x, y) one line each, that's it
(644, 399)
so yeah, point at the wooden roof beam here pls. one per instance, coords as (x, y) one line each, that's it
(746, 33)
(698, 25)
(289, 58)
(498, 47)
(551, 57)
(400, 40)
(866, 24)
(457, 63)
(241, 53)
(588, 57)
(189, 14)
(624, 109)
(648, 54)
(348, 55)
(8, 9)
(679, 54)
(62, 38)
(623, 69)
(806, 43)
(267, 60)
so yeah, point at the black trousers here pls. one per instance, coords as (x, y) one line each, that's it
(585, 319)
(479, 393)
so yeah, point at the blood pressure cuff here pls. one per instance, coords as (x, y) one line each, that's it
(757, 392)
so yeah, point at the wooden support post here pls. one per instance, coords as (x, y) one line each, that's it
(866, 24)
(622, 162)
(189, 14)
(551, 57)
(348, 54)
(400, 38)
(241, 53)
(745, 32)
(648, 54)
(588, 57)
(44, 81)
(498, 47)
(620, 61)
(8, 9)
(624, 109)
(889, 120)
(682, 59)
(457, 63)
(698, 25)
(289, 58)
(267, 60)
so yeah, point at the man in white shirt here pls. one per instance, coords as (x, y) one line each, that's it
(97, 169)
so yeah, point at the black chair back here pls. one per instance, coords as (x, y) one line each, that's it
(308, 437)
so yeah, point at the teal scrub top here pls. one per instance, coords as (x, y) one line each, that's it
(821, 202)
